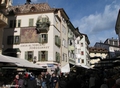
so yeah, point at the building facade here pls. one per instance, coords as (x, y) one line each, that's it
(82, 51)
(112, 45)
(38, 33)
(3, 19)
(97, 53)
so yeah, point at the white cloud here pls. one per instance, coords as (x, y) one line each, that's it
(97, 24)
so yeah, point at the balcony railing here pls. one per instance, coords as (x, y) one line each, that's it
(3, 20)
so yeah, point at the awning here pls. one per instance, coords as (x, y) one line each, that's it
(19, 62)
(12, 50)
(65, 69)
(84, 66)
(4, 59)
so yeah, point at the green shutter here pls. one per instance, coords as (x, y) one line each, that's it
(46, 38)
(59, 41)
(39, 55)
(46, 55)
(55, 39)
(26, 55)
(58, 57)
(40, 38)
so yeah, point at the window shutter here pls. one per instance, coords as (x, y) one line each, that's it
(26, 55)
(46, 55)
(46, 38)
(55, 39)
(40, 38)
(39, 55)
(56, 56)
(59, 42)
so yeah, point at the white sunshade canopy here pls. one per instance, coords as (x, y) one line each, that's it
(19, 62)
(65, 69)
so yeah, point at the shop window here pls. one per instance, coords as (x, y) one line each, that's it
(43, 56)
(29, 55)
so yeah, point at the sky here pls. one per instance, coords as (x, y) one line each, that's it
(95, 18)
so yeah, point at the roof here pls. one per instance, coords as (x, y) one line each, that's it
(29, 8)
(97, 50)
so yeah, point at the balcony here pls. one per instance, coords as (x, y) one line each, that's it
(71, 47)
(42, 27)
(3, 20)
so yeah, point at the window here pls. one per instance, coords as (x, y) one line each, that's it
(82, 53)
(43, 38)
(77, 41)
(57, 41)
(82, 60)
(81, 44)
(19, 23)
(13, 40)
(16, 40)
(43, 56)
(30, 22)
(15, 23)
(29, 55)
(78, 60)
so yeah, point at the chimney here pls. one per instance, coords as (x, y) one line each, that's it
(28, 1)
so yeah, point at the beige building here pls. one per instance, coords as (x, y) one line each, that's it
(3, 19)
(96, 54)
(38, 33)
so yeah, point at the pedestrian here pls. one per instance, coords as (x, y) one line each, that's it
(47, 78)
(21, 80)
(30, 81)
(92, 80)
(39, 81)
(54, 81)
(15, 82)
(117, 83)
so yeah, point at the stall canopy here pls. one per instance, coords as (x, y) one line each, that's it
(65, 69)
(18, 62)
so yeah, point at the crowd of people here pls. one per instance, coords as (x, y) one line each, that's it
(74, 79)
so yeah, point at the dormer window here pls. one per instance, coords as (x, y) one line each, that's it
(32, 9)
(17, 10)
